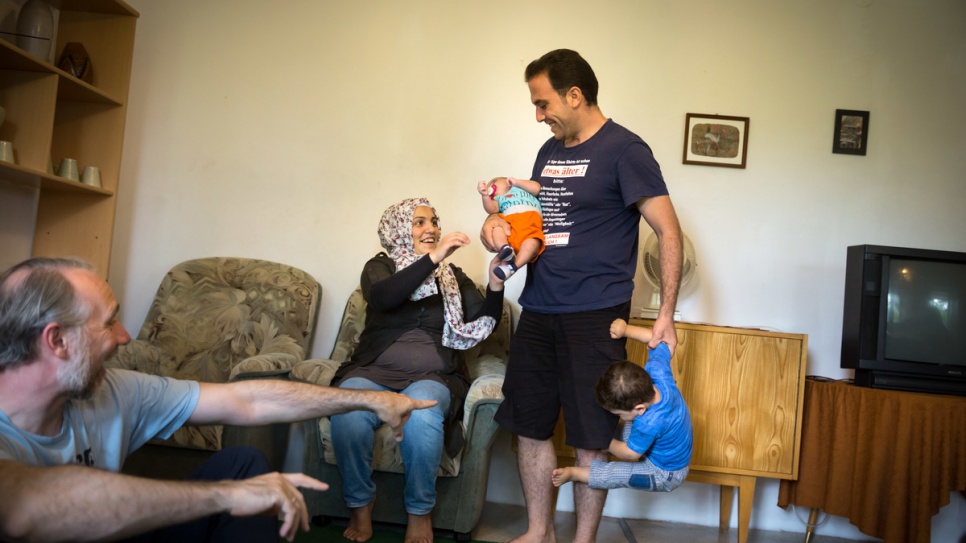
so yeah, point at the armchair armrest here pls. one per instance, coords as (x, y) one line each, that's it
(263, 365)
(138, 355)
(487, 387)
(317, 371)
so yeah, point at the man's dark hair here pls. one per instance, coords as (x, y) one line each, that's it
(623, 386)
(34, 294)
(566, 69)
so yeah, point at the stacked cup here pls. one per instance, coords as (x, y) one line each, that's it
(68, 170)
(91, 176)
(6, 152)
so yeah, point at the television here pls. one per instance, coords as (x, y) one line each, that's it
(904, 323)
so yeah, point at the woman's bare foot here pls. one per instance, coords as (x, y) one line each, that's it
(360, 523)
(419, 529)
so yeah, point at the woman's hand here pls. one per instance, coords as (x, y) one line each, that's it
(447, 245)
(496, 284)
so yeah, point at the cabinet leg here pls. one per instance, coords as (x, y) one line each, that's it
(724, 516)
(746, 498)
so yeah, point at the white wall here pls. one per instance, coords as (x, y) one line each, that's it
(281, 130)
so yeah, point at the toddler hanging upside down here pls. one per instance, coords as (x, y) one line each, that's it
(655, 449)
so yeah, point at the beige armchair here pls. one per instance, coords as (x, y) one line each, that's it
(219, 320)
(461, 485)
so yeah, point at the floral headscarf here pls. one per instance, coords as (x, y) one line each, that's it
(396, 237)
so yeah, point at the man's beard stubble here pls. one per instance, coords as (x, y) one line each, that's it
(78, 377)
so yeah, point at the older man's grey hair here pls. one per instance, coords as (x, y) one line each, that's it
(33, 294)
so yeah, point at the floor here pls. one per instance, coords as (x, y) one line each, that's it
(503, 522)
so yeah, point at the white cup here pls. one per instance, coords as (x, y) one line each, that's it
(6, 152)
(68, 169)
(91, 176)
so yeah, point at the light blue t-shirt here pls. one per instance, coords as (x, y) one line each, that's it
(517, 197)
(663, 433)
(127, 409)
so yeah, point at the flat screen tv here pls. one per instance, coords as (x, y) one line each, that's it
(904, 324)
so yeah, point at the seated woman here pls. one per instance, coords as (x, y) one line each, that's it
(420, 311)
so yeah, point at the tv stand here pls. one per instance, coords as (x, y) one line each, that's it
(910, 383)
(884, 459)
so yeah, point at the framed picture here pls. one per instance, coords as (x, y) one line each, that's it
(851, 132)
(715, 140)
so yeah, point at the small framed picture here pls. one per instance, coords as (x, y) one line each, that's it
(715, 140)
(851, 132)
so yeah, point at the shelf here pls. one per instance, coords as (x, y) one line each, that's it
(113, 7)
(71, 88)
(19, 175)
(52, 114)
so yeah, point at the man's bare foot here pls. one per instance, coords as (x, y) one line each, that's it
(360, 523)
(419, 529)
(561, 476)
(536, 537)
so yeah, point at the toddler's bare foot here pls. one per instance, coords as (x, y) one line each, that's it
(561, 476)
(359, 528)
(419, 529)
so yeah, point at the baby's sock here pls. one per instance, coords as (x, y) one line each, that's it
(506, 253)
(505, 271)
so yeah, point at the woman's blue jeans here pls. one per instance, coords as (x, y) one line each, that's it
(421, 447)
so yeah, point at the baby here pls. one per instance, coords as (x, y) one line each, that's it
(516, 202)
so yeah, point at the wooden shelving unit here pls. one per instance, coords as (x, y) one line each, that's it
(52, 115)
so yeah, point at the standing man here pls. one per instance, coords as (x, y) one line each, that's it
(598, 179)
(67, 423)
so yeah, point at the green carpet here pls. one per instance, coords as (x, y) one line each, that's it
(333, 532)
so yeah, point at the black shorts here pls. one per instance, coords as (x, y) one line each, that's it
(555, 361)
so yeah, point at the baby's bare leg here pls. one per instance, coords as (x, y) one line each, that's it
(528, 249)
(499, 237)
(580, 474)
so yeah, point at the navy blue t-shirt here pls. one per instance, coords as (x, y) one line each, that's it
(590, 220)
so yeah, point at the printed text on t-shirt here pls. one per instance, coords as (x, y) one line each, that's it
(555, 197)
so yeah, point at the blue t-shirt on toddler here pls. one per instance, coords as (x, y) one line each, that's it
(663, 433)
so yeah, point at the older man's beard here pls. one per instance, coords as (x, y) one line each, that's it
(78, 376)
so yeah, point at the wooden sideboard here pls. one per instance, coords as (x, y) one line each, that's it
(744, 388)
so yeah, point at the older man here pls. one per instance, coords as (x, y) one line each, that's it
(59, 407)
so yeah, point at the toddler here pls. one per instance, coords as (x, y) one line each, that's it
(656, 446)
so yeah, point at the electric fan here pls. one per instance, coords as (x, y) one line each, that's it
(650, 263)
